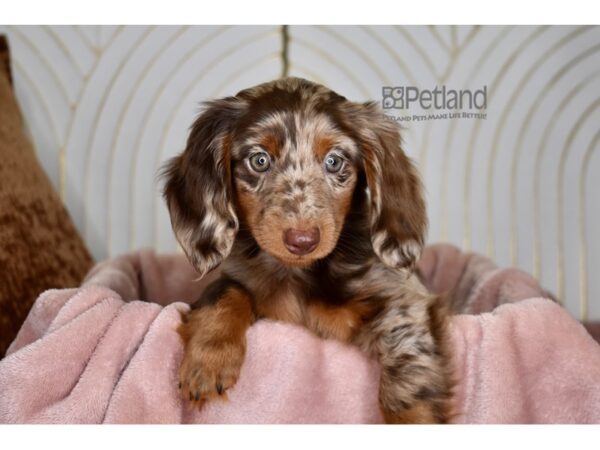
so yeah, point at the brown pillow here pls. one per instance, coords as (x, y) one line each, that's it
(39, 246)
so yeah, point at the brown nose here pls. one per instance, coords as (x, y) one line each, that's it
(301, 242)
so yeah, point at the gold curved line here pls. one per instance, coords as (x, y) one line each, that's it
(221, 57)
(441, 79)
(422, 53)
(470, 149)
(354, 48)
(469, 38)
(122, 114)
(453, 124)
(541, 150)
(84, 37)
(62, 155)
(161, 89)
(537, 263)
(423, 151)
(485, 55)
(113, 37)
(63, 136)
(41, 56)
(312, 75)
(525, 126)
(469, 156)
(583, 279)
(391, 52)
(284, 53)
(100, 109)
(217, 92)
(48, 29)
(499, 128)
(537, 173)
(66, 48)
(438, 38)
(465, 43)
(559, 189)
(45, 105)
(333, 61)
(108, 38)
(444, 233)
(453, 39)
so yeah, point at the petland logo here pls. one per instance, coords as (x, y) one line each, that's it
(435, 104)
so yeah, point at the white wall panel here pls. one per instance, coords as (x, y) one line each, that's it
(107, 106)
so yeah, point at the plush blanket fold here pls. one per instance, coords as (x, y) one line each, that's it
(99, 354)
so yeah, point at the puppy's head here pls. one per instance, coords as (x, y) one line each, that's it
(283, 160)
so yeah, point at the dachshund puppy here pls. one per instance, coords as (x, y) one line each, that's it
(316, 217)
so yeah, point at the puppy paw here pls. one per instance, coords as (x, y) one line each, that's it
(208, 369)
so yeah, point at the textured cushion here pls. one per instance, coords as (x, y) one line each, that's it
(39, 246)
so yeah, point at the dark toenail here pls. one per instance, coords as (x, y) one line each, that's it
(179, 385)
(219, 388)
(191, 397)
(197, 396)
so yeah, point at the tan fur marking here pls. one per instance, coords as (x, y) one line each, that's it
(271, 144)
(248, 204)
(329, 321)
(215, 346)
(420, 413)
(282, 306)
(322, 146)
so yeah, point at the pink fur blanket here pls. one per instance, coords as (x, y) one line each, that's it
(98, 354)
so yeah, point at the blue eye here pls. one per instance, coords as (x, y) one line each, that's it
(333, 163)
(260, 162)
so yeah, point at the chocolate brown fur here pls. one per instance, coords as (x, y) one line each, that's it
(356, 285)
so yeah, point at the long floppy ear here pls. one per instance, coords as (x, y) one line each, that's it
(198, 187)
(398, 217)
